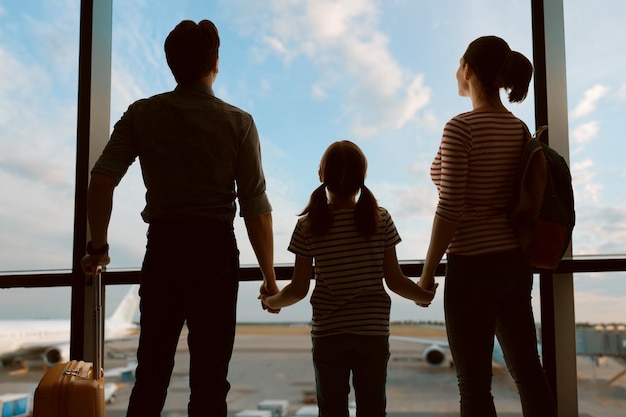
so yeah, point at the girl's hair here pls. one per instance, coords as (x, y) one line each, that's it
(343, 168)
(191, 50)
(497, 66)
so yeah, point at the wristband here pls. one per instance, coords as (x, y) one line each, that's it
(97, 251)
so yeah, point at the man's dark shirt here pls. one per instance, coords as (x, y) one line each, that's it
(197, 154)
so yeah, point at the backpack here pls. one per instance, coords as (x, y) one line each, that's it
(542, 208)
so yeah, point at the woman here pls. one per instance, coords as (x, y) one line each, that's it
(488, 282)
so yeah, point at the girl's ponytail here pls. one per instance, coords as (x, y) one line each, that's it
(366, 213)
(319, 217)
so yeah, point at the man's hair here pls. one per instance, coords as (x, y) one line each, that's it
(191, 50)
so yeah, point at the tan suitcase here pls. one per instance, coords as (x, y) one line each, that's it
(74, 389)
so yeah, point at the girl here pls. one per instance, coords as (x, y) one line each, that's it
(352, 243)
(488, 282)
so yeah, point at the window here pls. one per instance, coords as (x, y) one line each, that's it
(311, 72)
(596, 90)
(39, 54)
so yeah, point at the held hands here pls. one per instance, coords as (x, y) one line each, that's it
(266, 292)
(429, 286)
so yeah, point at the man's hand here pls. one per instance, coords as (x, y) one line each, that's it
(89, 263)
(267, 290)
(267, 302)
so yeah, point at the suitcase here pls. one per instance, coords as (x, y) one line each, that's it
(75, 388)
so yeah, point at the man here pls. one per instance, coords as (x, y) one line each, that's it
(197, 155)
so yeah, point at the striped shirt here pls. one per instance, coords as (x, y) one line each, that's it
(349, 296)
(474, 171)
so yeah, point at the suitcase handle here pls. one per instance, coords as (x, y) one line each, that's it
(98, 324)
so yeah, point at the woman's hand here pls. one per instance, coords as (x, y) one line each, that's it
(429, 285)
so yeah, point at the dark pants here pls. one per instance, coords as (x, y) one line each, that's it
(489, 295)
(367, 357)
(189, 274)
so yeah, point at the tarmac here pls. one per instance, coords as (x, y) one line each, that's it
(278, 367)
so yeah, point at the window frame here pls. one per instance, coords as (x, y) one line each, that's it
(93, 118)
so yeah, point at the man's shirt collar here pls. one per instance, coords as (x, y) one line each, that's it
(200, 87)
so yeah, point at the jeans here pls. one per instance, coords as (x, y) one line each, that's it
(487, 296)
(367, 357)
(189, 275)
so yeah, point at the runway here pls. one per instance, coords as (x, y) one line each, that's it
(272, 363)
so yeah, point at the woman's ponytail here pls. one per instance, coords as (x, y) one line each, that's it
(497, 66)
(516, 74)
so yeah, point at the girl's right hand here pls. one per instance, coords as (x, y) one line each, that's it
(266, 303)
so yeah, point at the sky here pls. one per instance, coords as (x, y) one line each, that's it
(379, 73)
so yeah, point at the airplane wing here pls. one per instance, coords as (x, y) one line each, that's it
(441, 343)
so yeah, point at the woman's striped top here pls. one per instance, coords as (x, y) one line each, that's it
(474, 171)
(349, 296)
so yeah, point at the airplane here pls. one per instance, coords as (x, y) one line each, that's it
(48, 340)
(608, 343)
(437, 352)
(597, 344)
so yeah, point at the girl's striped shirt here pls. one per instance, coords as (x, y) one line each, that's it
(474, 171)
(349, 296)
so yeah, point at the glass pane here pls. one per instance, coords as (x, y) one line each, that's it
(380, 74)
(600, 299)
(35, 330)
(596, 89)
(39, 55)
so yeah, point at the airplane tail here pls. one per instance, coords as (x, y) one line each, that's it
(126, 310)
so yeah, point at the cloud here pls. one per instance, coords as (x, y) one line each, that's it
(600, 228)
(586, 132)
(585, 189)
(125, 89)
(408, 201)
(378, 93)
(276, 45)
(596, 308)
(621, 93)
(26, 81)
(319, 91)
(589, 101)
(604, 230)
